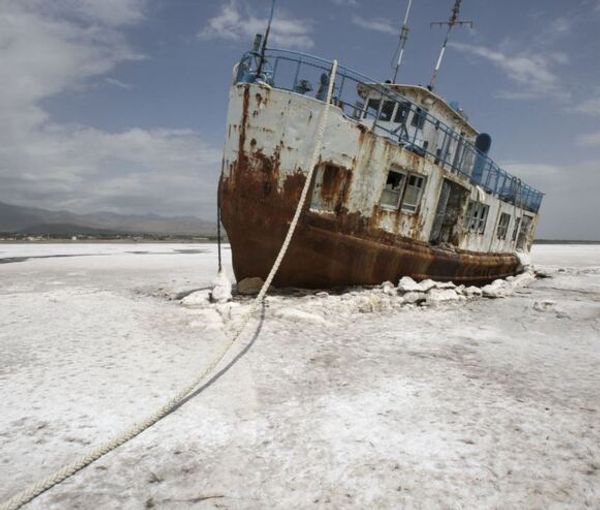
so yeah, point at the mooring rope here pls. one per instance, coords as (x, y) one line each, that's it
(65, 472)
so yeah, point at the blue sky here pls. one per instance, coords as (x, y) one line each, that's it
(121, 104)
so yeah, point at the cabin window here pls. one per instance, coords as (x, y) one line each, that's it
(387, 110)
(402, 112)
(372, 108)
(392, 193)
(476, 217)
(403, 191)
(516, 229)
(503, 223)
(413, 193)
(418, 119)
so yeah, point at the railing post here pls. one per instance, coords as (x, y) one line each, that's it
(297, 73)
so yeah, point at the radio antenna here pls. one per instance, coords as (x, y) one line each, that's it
(265, 40)
(403, 38)
(451, 23)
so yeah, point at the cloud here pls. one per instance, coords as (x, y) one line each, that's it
(235, 22)
(87, 169)
(532, 73)
(590, 106)
(49, 48)
(117, 83)
(589, 140)
(375, 24)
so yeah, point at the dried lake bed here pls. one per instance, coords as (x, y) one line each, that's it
(486, 403)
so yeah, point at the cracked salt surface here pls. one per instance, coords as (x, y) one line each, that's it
(344, 401)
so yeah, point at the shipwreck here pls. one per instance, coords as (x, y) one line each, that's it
(404, 184)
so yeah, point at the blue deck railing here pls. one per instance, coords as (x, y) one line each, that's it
(393, 116)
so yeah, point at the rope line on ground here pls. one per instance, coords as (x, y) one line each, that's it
(65, 472)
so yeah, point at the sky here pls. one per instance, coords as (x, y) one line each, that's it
(120, 105)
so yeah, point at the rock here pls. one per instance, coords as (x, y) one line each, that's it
(322, 294)
(407, 284)
(250, 286)
(413, 297)
(472, 291)
(497, 289)
(221, 290)
(389, 289)
(523, 279)
(460, 289)
(426, 285)
(435, 296)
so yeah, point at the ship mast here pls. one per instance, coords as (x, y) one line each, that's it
(452, 22)
(403, 38)
(265, 40)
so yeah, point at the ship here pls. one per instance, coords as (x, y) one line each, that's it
(403, 184)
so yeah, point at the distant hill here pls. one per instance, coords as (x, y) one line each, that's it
(32, 220)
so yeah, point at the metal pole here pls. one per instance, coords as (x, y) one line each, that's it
(219, 223)
(452, 22)
(403, 39)
(264, 45)
(440, 58)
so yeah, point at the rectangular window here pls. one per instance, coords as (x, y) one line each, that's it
(516, 229)
(393, 189)
(419, 117)
(372, 108)
(403, 191)
(476, 217)
(387, 110)
(413, 193)
(503, 223)
(402, 112)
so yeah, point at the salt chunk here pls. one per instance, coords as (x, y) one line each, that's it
(221, 291)
(442, 295)
(426, 285)
(407, 284)
(196, 299)
(388, 288)
(413, 297)
(497, 289)
(472, 291)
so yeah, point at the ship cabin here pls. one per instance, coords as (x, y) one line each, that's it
(423, 122)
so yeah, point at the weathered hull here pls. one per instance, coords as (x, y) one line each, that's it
(344, 236)
(337, 251)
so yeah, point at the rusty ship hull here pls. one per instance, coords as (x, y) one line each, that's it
(328, 253)
(348, 233)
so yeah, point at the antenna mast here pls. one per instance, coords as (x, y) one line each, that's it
(264, 45)
(403, 39)
(452, 22)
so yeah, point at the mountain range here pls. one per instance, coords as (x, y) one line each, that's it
(32, 220)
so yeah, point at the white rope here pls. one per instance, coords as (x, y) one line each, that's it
(65, 472)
